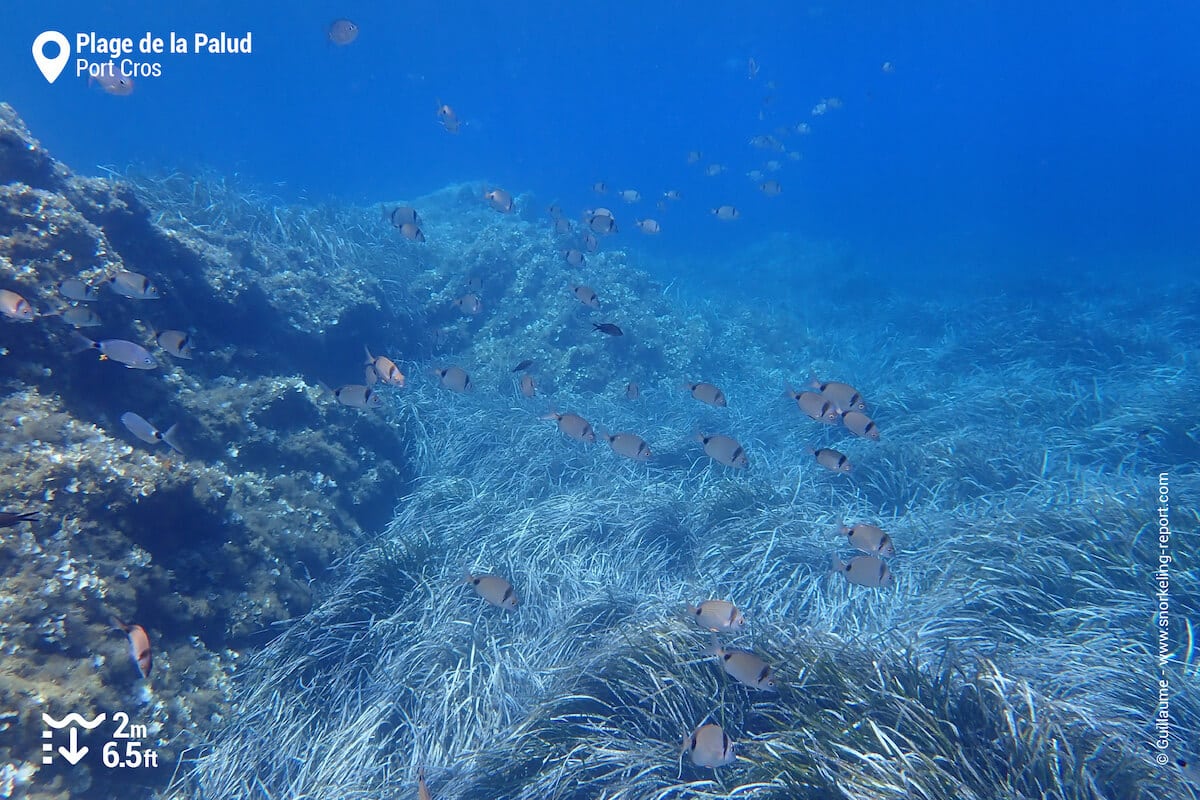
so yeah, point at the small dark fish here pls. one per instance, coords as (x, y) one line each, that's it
(609, 328)
(525, 364)
(342, 32)
(9, 519)
(528, 385)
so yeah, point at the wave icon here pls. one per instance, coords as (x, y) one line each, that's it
(72, 719)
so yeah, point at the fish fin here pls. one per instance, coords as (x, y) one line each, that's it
(170, 438)
(125, 628)
(81, 343)
(836, 564)
(791, 393)
(370, 358)
(813, 381)
(714, 647)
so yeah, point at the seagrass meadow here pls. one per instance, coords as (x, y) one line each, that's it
(312, 591)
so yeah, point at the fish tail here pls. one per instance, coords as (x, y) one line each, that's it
(813, 380)
(170, 438)
(120, 624)
(836, 564)
(370, 358)
(714, 646)
(80, 343)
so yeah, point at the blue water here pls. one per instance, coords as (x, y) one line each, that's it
(1008, 139)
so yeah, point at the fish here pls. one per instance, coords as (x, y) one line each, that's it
(843, 396)
(600, 187)
(707, 393)
(590, 243)
(573, 426)
(405, 215)
(718, 615)
(744, 667)
(357, 395)
(632, 391)
(77, 316)
(815, 406)
(475, 284)
(630, 195)
(500, 200)
(887, 68)
(75, 289)
(602, 223)
(869, 539)
(832, 459)
(133, 285)
(725, 213)
(149, 434)
(803, 128)
(469, 304)
(751, 68)
(496, 590)
(10, 519)
(455, 379)
(422, 787)
(713, 170)
(562, 226)
(771, 188)
(382, 369)
(554, 210)
(586, 295)
(116, 84)
(528, 385)
(573, 257)
(864, 571)
(139, 646)
(694, 156)
(672, 194)
(177, 343)
(608, 328)
(342, 32)
(526, 363)
(860, 424)
(648, 226)
(447, 117)
(410, 231)
(724, 450)
(710, 746)
(629, 445)
(15, 307)
(132, 355)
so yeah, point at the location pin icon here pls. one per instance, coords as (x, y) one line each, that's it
(51, 67)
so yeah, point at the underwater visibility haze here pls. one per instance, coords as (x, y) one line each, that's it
(627, 400)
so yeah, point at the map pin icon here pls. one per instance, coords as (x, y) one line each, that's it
(51, 67)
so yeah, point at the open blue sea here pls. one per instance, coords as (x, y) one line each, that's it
(695, 302)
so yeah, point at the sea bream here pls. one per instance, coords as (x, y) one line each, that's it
(869, 571)
(132, 355)
(495, 589)
(177, 343)
(586, 295)
(149, 434)
(382, 369)
(15, 307)
(709, 746)
(843, 396)
(573, 426)
(139, 646)
(707, 393)
(815, 406)
(455, 379)
(75, 289)
(470, 304)
(831, 459)
(860, 424)
(77, 316)
(133, 285)
(717, 615)
(868, 538)
(744, 667)
(629, 445)
(356, 395)
(724, 450)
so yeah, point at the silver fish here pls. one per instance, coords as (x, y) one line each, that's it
(864, 571)
(133, 356)
(495, 589)
(629, 445)
(133, 285)
(177, 343)
(869, 539)
(573, 426)
(455, 379)
(718, 615)
(707, 393)
(149, 434)
(724, 450)
(15, 307)
(356, 395)
(710, 746)
(75, 289)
